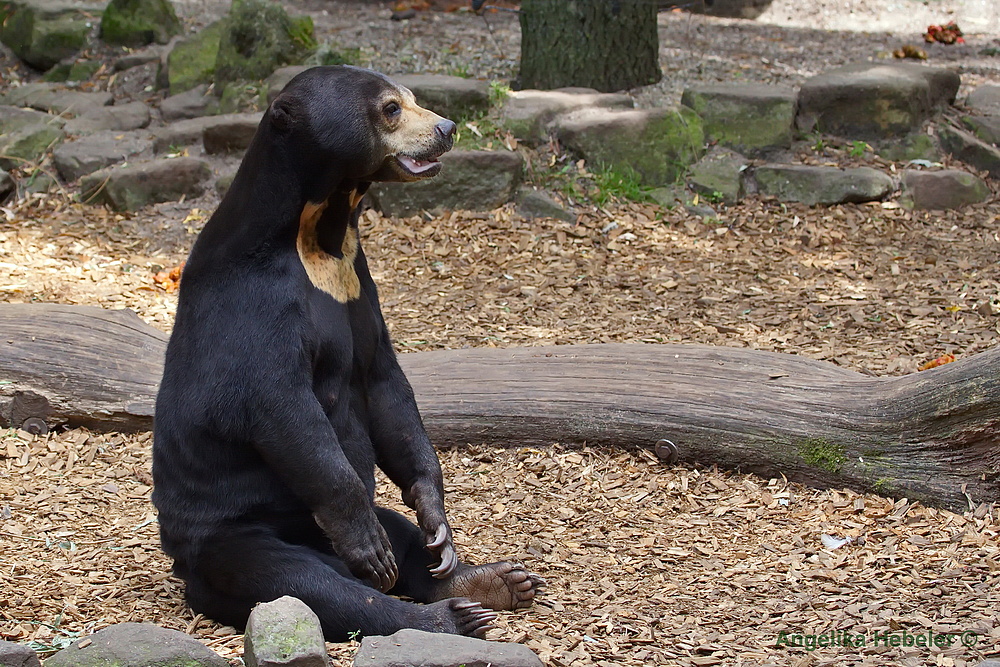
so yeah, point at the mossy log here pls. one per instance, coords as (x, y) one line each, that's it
(932, 436)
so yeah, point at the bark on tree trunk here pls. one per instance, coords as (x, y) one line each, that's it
(932, 436)
(603, 44)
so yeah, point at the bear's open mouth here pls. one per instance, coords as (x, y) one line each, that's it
(418, 167)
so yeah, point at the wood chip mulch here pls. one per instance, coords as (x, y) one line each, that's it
(646, 564)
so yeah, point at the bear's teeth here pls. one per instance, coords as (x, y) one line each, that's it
(414, 165)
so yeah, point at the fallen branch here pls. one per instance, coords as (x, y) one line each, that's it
(931, 436)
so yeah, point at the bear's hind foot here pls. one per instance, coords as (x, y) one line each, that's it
(501, 586)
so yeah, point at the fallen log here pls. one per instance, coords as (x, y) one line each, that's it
(932, 436)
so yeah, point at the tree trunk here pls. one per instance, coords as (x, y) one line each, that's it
(603, 44)
(931, 436)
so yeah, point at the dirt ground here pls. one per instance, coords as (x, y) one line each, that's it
(646, 564)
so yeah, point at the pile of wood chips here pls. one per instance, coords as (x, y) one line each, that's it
(646, 564)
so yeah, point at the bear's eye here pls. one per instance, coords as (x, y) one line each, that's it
(391, 110)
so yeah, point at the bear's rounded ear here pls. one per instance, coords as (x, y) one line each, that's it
(281, 113)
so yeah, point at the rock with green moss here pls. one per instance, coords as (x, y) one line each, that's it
(332, 54)
(745, 117)
(192, 60)
(26, 136)
(80, 70)
(44, 32)
(284, 632)
(918, 146)
(986, 128)
(259, 38)
(139, 22)
(942, 190)
(239, 97)
(657, 144)
(821, 185)
(718, 176)
(966, 147)
(874, 100)
(137, 645)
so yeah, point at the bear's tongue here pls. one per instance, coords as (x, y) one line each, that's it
(416, 166)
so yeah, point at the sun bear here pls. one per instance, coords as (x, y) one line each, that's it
(281, 391)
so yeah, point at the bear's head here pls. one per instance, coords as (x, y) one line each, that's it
(345, 123)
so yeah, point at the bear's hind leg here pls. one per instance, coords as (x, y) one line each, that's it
(240, 568)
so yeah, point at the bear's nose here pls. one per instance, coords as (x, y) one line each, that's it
(445, 129)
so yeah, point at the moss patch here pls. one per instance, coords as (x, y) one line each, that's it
(259, 38)
(821, 453)
(192, 62)
(139, 22)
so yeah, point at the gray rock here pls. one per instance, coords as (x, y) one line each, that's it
(136, 645)
(985, 128)
(280, 78)
(469, 180)
(821, 185)
(137, 59)
(719, 175)
(429, 649)
(121, 117)
(191, 131)
(189, 104)
(43, 32)
(74, 159)
(872, 100)
(745, 117)
(528, 114)
(81, 70)
(230, 133)
(180, 133)
(970, 150)
(985, 100)
(284, 632)
(657, 144)
(7, 190)
(449, 96)
(55, 98)
(670, 196)
(26, 135)
(917, 146)
(130, 187)
(989, 663)
(11, 654)
(537, 204)
(940, 190)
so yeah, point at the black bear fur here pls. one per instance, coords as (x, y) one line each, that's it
(281, 391)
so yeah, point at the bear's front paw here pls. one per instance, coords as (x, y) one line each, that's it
(367, 553)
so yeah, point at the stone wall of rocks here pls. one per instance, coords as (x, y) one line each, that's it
(722, 143)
